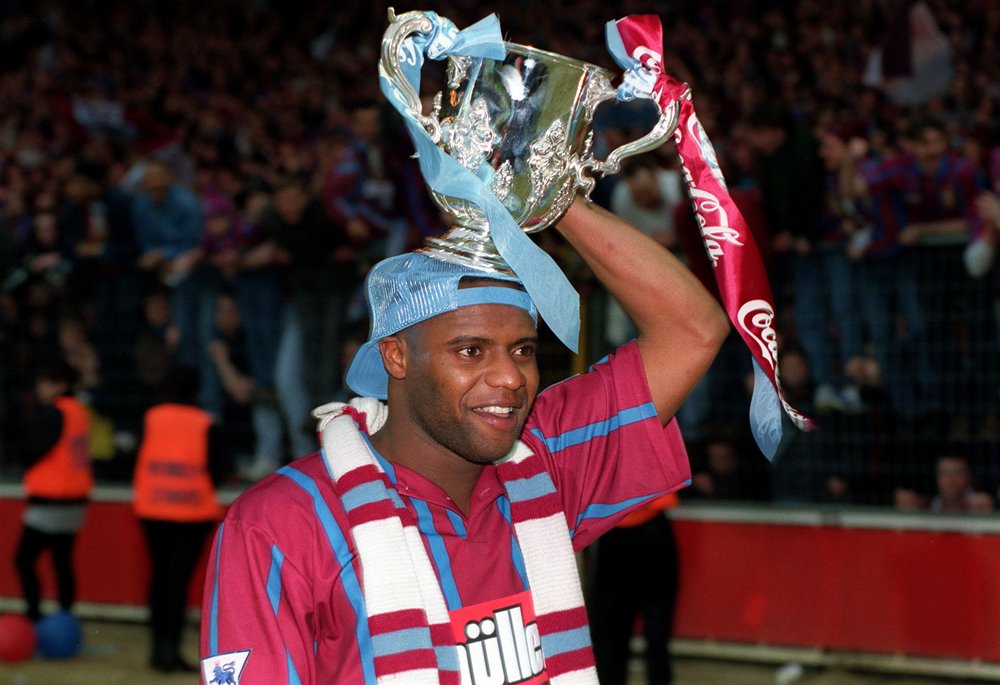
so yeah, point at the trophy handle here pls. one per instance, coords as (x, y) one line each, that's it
(399, 30)
(664, 128)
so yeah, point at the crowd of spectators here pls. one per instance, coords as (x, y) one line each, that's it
(205, 184)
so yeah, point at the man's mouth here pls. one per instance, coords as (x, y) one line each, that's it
(497, 415)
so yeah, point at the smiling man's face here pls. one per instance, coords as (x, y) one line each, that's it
(471, 378)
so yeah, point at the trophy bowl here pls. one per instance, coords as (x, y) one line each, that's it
(522, 125)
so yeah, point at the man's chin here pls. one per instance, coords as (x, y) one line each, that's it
(494, 443)
(493, 453)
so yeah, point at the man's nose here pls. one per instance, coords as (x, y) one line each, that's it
(505, 372)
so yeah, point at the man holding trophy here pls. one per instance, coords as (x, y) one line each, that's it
(432, 539)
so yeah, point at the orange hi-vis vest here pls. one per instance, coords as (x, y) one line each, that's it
(172, 482)
(65, 472)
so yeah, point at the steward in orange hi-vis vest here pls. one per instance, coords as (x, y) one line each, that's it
(64, 472)
(58, 477)
(172, 479)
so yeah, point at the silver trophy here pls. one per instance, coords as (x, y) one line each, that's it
(529, 118)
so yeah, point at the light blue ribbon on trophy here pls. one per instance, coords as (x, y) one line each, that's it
(556, 299)
(637, 80)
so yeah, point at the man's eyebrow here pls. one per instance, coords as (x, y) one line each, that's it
(467, 339)
(475, 339)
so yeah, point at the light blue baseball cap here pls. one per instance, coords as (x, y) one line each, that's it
(410, 288)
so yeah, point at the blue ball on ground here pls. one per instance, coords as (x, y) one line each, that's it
(17, 638)
(59, 636)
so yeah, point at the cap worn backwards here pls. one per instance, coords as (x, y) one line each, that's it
(411, 288)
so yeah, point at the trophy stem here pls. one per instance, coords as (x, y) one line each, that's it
(468, 245)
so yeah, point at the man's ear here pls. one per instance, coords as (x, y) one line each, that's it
(393, 351)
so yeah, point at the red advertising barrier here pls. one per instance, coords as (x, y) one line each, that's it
(919, 585)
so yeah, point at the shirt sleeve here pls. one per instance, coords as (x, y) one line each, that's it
(604, 445)
(258, 609)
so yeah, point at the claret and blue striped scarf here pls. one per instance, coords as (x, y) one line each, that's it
(403, 598)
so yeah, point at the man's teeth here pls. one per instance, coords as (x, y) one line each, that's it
(498, 410)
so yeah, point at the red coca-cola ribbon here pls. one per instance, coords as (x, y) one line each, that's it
(739, 271)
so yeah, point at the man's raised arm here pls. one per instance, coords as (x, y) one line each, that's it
(681, 326)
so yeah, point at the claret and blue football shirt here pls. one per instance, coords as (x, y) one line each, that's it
(283, 598)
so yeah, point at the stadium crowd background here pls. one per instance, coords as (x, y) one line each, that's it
(205, 183)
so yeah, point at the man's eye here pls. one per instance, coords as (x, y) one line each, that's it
(468, 351)
(526, 351)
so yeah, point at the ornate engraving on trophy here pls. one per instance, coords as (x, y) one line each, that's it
(548, 160)
(458, 68)
(436, 107)
(598, 92)
(503, 181)
(469, 137)
(565, 194)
